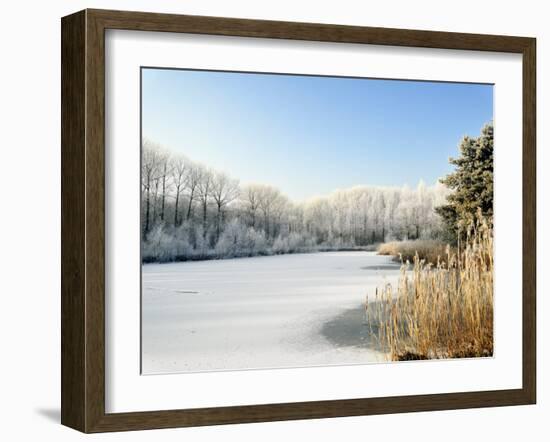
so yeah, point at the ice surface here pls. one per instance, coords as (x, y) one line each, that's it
(261, 312)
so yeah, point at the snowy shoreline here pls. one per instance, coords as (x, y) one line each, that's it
(369, 248)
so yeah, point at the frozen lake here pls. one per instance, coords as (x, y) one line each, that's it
(263, 312)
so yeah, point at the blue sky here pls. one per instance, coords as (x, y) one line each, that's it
(310, 135)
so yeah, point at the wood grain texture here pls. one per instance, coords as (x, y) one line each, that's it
(144, 21)
(83, 219)
(529, 220)
(95, 221)
(73, 253)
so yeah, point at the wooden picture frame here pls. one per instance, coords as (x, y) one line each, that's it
(83, 220)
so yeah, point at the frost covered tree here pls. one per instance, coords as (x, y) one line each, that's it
(471, 183)
(224, 191)
(150, 167)
(165, 169)
(179, 174)
(204, 213)
(205, 195)
(194, 178)
(268, 197)
(250, 199)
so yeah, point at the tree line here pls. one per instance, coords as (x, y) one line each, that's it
(190, 211)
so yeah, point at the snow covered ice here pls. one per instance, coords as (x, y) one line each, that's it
(261, 312)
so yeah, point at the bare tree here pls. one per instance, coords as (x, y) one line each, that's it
(154, 202)
(251, 200)
(267, 197)
(149, 174)
(224, 191)
(179, 178)
(164, 172)
(204, 194)
(280, 210)
(193, 180)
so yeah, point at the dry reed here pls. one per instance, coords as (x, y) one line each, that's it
(426, 249)
(443, 310)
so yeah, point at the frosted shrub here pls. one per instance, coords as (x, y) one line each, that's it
(334, 241)
(159, 246)
(200, 242)
(295, 242)
(280, 245)
(309, 243)
(256, 242)
(232, 242)
(182, 243)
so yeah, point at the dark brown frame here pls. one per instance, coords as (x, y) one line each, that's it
(83, 217)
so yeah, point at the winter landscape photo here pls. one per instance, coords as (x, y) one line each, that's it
(301, 220)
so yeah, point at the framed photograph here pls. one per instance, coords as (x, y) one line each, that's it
(270, 220)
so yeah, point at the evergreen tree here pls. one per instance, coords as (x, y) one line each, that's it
(471, 183)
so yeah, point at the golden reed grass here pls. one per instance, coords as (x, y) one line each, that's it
(443, 310)
(427, 250)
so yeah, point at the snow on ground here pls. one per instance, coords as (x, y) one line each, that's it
(262, 312)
